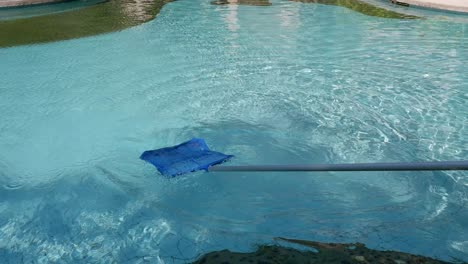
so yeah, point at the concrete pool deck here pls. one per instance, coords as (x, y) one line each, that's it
(449, 5)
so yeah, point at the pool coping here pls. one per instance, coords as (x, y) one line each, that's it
(434, 4)
(21, 3)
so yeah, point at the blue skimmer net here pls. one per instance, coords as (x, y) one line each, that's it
(189, 156)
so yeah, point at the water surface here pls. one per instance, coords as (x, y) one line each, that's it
(287, 83)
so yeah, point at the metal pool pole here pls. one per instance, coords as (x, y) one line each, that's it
(392, 166)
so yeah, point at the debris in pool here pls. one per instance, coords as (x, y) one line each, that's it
(242, 2)
(399, 3)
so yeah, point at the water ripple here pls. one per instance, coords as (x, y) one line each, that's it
(289, 83)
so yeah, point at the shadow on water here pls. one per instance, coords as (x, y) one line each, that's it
(110, 16)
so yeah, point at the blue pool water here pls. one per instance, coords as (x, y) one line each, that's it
(288, 83)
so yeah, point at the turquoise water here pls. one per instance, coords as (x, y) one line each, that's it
(288, 83)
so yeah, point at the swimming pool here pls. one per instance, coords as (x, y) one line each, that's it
(287, 83)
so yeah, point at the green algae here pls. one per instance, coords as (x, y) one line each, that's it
(322, 253)
(361, 7)
(115, 15)
(101, 18)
